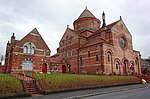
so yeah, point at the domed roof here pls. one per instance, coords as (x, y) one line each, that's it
(86, 13)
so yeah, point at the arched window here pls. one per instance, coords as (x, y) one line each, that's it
(25, 50)
(117, 65)
(96, 58)
(109, 57)
(44, 52)
(80, 27)
(81, 63)
(132, 67)
(32, 50)
(29, 48)
(122, 42)
(92, 25)
(88, 54)
(137, 64)
(52, 68)
(27, 65)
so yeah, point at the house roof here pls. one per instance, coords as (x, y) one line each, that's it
(99, 40)
(55, 55)
(68, 30)
(93, 42)
(33, 36)
(56, 60)
(86, 13)
(144, 63)
(109, 26)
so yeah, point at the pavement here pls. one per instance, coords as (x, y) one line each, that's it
(89, 92)
(139, 93)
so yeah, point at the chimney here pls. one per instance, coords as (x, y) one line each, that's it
(103, 18)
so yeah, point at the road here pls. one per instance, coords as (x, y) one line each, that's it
(140, 93)
(117, 92)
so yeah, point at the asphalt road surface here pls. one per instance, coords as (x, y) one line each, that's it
(137, 91)
(140, 93)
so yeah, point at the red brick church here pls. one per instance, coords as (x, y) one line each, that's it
(29, 53)
(89, 48)
(93, 48)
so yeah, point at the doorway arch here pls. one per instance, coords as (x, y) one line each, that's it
(44, 68)
(63, 69)
(125, 66)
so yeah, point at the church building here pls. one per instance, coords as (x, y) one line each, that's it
(94, 47)
(29, 53)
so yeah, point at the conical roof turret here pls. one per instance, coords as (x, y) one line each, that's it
(86, 21)
(86, 13)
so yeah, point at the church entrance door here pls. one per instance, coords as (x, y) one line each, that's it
(63, 69)
(125, 63)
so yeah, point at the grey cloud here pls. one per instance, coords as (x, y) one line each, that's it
(52, 16)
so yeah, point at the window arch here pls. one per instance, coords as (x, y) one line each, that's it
(81, 62)
(29, 48)
(117, 65)
(32, 50)
(132, 67)
(27, 65)
(109, 57)
(96, 57)
(80, 26)
(92, 24)
(123, 42)
(25, 49)
(137, 64)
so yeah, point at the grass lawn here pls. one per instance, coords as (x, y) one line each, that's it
(9, 84)
(65, 81)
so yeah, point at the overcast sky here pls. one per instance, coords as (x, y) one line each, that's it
(51, 18)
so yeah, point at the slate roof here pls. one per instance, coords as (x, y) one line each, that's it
(144, 63)
(86, 13)
(99, 40)
(93, 42)
(34, 34)
(109, 26)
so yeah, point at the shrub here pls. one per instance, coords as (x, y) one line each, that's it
(72, 81)
(9, 84)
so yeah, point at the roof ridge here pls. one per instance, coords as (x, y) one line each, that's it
(111, 24)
